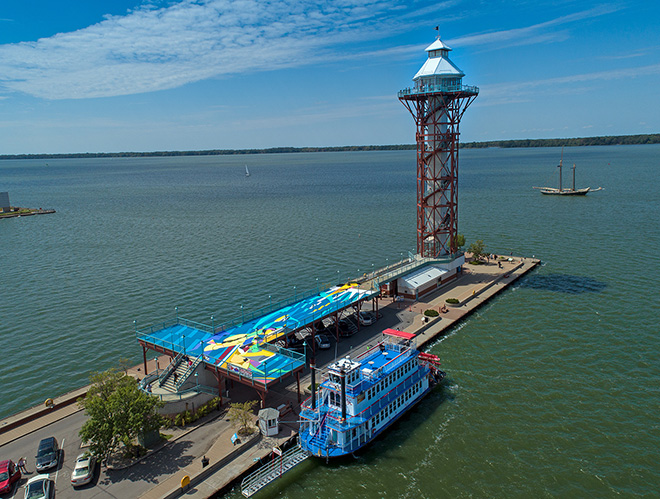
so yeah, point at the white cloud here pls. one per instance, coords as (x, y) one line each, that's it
(155, 48)
(536, 33)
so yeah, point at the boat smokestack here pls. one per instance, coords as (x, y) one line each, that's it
(342, 374)
(312, 366)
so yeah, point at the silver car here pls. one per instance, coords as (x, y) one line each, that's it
(39, 487)
(83, 471)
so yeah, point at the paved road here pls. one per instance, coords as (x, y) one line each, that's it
(127, 483)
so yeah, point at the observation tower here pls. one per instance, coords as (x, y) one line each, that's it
(437, 102)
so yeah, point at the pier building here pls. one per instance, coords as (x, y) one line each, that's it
(252, 350)
(437, 101)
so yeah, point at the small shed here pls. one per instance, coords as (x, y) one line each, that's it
(269, 422)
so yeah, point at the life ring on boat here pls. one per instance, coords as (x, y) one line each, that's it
(49, 403)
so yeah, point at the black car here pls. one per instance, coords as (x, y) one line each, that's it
(48, 454)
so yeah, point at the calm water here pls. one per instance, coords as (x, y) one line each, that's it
(553, 386)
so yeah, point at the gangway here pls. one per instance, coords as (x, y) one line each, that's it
(254, 482)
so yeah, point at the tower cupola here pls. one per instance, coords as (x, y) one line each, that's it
(438, 71)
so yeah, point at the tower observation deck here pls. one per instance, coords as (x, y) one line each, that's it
(437, 102)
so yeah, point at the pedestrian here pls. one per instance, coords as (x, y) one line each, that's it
(176, 376)
(21, 465)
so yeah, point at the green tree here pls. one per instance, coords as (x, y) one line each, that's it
(118, 412)
(241, 415)
(477, 249)
(458, 242)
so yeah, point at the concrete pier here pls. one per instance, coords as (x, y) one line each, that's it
(227, 463)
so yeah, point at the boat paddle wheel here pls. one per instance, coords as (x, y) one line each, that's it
(433, 362)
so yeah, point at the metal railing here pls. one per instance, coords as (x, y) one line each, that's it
(169, 369)
(273, 470)
(170, 397)
(191, 369)
(432, 88)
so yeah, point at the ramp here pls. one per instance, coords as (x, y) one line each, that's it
(251, 484)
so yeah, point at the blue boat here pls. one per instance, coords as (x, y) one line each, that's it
(361, 397)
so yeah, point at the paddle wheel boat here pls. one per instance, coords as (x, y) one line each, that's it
(361, 397)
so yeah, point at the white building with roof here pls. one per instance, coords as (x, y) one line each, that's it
(428, 279)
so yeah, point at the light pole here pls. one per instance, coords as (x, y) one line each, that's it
(212, 326)
(270, 303)
(176, 313)
(183, 341)
(295, 296)
(318, 290)
(196, 382)
(242, 315)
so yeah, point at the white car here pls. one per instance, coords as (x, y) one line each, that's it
(366, 319)
(83, 471)
(39, 487)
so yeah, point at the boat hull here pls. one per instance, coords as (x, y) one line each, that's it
(565, 192)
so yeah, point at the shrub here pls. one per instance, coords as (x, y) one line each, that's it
(431, 313)
(452, 301)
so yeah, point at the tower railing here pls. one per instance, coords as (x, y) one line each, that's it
(433, 88)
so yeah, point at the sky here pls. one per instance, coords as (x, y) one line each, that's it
(155, 75)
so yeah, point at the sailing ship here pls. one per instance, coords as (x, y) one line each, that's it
(568, 191)
(362, 397)
(247, 172)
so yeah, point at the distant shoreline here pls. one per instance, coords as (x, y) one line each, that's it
(568, 142)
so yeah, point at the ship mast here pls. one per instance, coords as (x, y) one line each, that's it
(561, 161)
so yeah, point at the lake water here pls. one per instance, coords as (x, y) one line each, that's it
(553, 386)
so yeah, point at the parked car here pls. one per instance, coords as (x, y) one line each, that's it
(298, 340)
(83, 471)
(48, 454)
(39, 487)
(366, 319)
(322, 341)
(9, 475)
(347, 327)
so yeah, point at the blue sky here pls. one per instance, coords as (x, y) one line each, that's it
(121, 75)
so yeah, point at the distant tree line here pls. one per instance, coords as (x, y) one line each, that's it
(578, 141)
(210, 152)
